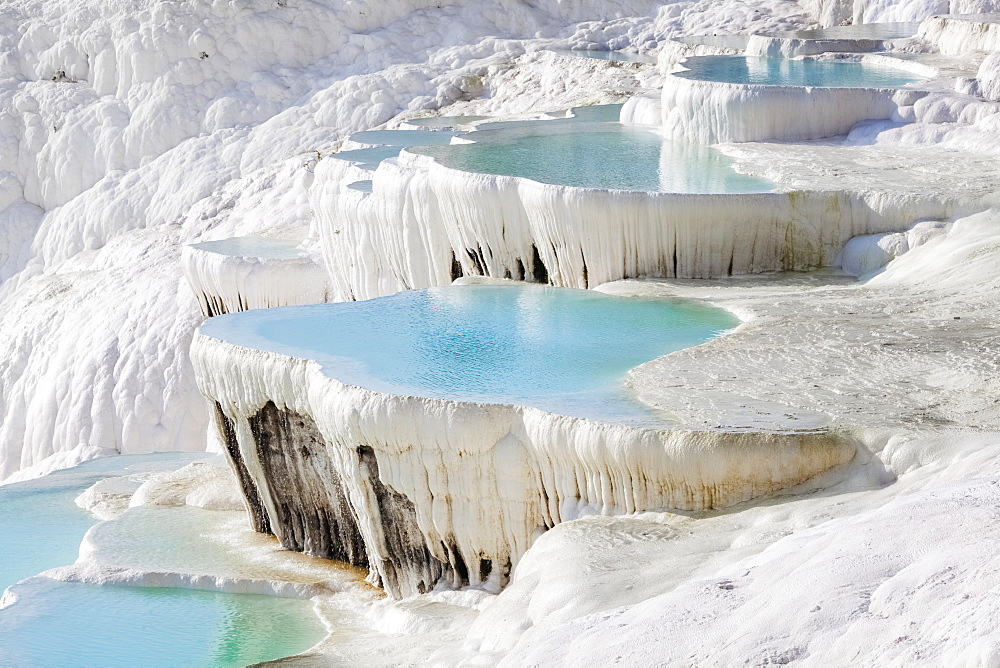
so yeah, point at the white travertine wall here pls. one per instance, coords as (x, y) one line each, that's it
(956, 35)
(776, 46)
(988, 77)
(708, 112)
(480, 481)
(230, 283)
(425, 225)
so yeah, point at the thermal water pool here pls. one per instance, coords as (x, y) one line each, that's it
(587, 152)
(74, 624)
(52, 623)
(766, 71)
(562, 350)
(590, 149)
(41, 513)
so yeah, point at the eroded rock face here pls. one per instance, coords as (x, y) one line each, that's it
(403, 539)
(255, 506)
(305, 490)
(299, 495)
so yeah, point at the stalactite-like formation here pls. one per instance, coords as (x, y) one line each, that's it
(427, 492)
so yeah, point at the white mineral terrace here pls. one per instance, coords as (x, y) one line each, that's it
(473, 483)
(711, 110)
(242, 273)
(817, 486)
(842, 39)
(505, 226)
(961, 33)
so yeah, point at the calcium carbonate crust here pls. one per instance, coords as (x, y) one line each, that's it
(473, 483)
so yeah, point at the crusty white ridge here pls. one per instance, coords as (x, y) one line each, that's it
(228, 281)
(425, 224)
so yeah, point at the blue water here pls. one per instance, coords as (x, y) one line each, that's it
(592, 154)
(561, 350)
(73, 624)
(41, 514)
(388, 144)
(368, 158)
(360, 186)
(446, 122)
(589, 149)
(789, 72)
(68, 624)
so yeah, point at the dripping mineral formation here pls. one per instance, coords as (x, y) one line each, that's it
(427, 491)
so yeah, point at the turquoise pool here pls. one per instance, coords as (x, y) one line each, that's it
(590, 153)
(403, 137)
(41, 513)
(70, 624)
(73, 624)
(558, 349)
(388, 143)
(793, 72)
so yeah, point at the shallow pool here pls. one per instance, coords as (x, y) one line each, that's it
(40, 525)
(70, 624)
(73, 624)
(403, 137)
(388, 143)
(585, 153)
(562, 350)
(793, 72)
(368, 158)
(446, 122)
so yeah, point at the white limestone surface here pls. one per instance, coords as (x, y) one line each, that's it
(423, 218)
(128, 131)
(840, 39)
(960, 33)
(231, 275)
(675, 50)
(988, 77)
(709, 112)
(487, 478)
